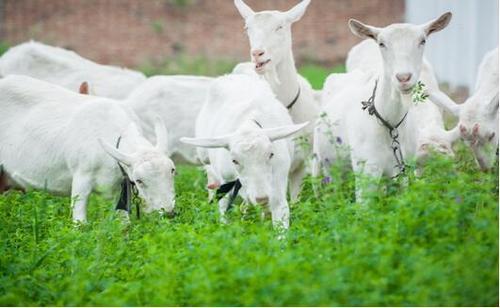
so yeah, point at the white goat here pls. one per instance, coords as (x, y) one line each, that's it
(367, 140)
(242, 131)
(177, 100)
(68, 69)
(270, 37)
(429, 134)
(478, 116)
(50, 140)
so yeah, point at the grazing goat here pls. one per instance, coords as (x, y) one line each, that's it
(68, 143)
(478, 116)
(177, 101)
(270, 36)
(68, 69)
(242, 133)
(376, 139)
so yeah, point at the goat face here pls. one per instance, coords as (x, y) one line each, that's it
(270, 34)
(401, 47)
(479, 128)
(149, 168)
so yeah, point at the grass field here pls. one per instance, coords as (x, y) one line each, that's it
(434, 242)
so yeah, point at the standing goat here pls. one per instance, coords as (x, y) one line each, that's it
(68, 143)
(270, 37)
(376, 139)
(242, 133)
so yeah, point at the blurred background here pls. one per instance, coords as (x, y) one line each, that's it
(206, 36)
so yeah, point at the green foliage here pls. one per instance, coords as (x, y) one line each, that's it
(418, 93)
(184, 64)
(317, 74)
(434, 242)
(4, 46)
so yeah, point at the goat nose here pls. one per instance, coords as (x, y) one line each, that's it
(262, 200)
(403, 77)
(258, 53)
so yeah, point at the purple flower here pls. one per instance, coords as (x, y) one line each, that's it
(339, 140)
(326, 180)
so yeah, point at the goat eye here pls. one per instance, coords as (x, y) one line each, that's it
(235, 162)
(422, 42)
(279, 28)
(140, 182)
(173, 171)
(271, 155)
(381, 45)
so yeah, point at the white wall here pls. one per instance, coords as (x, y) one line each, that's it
(457, 51)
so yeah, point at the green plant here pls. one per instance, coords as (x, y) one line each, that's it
(432, 242)
(418, 93)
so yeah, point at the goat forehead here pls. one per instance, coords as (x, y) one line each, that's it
(252, 141)
(152, 163)
(401, 33)
(266, 19)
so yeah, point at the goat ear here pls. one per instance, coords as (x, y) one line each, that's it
(161, 134)
(295, 14)
(362, 30)
(282, 132)
(115, 153)
(243, 8)
(438, 24)
(216, 142)
(84, 88)
(442, 100)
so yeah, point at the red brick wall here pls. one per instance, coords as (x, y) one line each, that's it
(131, 32)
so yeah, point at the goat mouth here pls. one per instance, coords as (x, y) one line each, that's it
(259, 66)
(406, 90)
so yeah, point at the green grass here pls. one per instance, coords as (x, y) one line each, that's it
(432, 243)
(183, 64)
(317, 74)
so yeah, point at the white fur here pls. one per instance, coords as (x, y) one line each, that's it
(50, 140)
(270, 32)
(478, 116)
(428, 133)
(363, 139)
(175, 99)
(234, 145)
(68, 69)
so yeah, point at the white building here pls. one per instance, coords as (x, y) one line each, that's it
(457, 51)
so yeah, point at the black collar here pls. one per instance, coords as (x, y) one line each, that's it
(294, 100)
(370, 105)
(128, 190)
(393, 131)
(224, 189)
